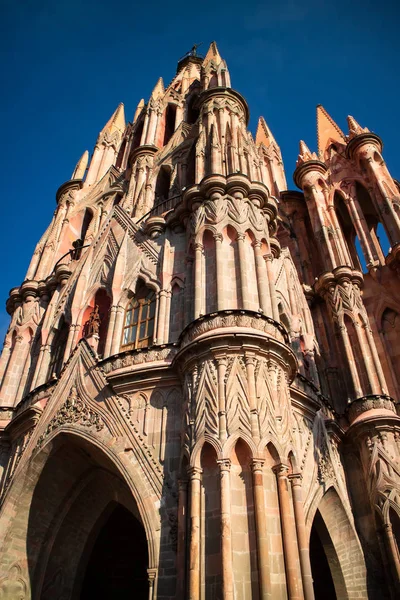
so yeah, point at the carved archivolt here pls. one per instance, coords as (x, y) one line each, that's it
(13, 586)
(74, 410)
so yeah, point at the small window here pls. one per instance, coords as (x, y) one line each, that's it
(139, 318)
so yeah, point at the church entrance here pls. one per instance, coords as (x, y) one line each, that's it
(85, 537)
(117, 566)
(321, 548)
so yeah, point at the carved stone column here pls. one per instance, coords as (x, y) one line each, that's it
(152, 575)
(226, 530)
(272, 292)
(393, 553)
(302, 541)
(262, 280)
(290, 550)
(261, 530)
(110, 331)
(244, 285)
(251, 383)
(181, 550)
(220, 271)
(195, 516)
(118, 327)
(221, 368)
(198, 280)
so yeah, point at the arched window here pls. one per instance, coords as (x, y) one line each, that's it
(170, 116)
(137, 136)
(163, 184)
(139, 318)
(192, 113)
(85, 223)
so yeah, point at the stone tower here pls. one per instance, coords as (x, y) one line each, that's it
(199, 383)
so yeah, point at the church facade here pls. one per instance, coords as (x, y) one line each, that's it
(200, 381)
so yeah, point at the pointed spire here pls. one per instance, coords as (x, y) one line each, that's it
(305, 154)
(212, 54)
(354, 127)
(327, 129)
(138, 110)
(80, 169)
(263, 134)
(159, 89)
(117, 120)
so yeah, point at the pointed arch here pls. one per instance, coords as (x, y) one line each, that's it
(339, 541)
(163, 184)
(72, 479)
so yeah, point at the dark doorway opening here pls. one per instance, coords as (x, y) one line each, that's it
(324, 588)
(117, 566)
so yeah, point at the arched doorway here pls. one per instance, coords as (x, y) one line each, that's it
(85, 538)
(320, 546)
(118, 560)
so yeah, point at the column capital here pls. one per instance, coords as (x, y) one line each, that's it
(281, 470)
(218, 237)
(250, 360)
(224, 464)
(199, 246)
(182, 483)
(194, 473)
(256, 244)
(240, 236)
(296, 479)
(257, 464)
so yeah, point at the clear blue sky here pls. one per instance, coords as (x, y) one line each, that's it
(67, 64)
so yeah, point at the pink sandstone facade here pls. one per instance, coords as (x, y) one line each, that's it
(199, 384)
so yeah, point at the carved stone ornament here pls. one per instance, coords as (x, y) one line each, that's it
(74, 410)
(361, 405)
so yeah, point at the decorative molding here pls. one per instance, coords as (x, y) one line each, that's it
(74, 410)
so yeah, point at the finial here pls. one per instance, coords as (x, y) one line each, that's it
(80, 169)
(354, 127)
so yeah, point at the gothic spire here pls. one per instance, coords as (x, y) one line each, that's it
(116, 121)
(79, 171)
(354, 127)
(327, 129)
(263, 133)
(138, 110)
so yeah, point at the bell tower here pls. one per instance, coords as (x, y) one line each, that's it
(200, 372)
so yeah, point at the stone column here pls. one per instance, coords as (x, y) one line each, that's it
(152, 575)
(262, 280)
(162, 306)
(221, 368)
(261, 530)
(351, 361)
(220, 271)
(251, 386)
(41, 365)
(189, 291)
(272, 292)
(392, 553)
(167, 317)
(226, 530)
(181, 550)
(118, 328)
(194, 550)
(198, 280)
(244, 286)
(290, 550)
(110, 331)
(73, 328)
(302, 541)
